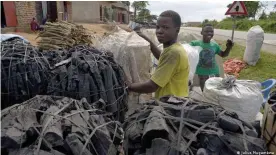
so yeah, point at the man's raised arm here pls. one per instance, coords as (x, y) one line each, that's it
(154, 49)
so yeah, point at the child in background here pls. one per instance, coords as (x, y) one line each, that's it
(207, 66)
(34, 25)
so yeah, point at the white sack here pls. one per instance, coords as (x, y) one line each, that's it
(254, 42)
(242, 96)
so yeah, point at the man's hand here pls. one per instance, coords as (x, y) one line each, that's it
(138, 31)
(229, 44)
(154, 49)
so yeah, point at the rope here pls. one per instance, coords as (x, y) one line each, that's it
(181, 124)
(32, 103)
(208, 128)
(227, 82)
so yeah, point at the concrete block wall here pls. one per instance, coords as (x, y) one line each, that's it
(91, 13)
(25, 12)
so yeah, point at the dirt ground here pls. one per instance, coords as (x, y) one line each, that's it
(97, 29)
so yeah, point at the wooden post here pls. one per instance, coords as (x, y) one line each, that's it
(233, 29)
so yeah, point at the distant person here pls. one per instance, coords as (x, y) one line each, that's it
(171, 74)
(46, 19)
(34, 25)
(207, 66)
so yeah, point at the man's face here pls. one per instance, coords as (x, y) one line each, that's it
(166, 30)
(207, 33)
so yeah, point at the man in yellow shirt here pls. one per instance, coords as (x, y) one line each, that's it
(171, 75)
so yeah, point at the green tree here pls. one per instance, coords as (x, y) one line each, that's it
(205, 21)
(214, 23)
(272, 15)
(263, 15)
(144, 15)
(153, 17)
(138, 6)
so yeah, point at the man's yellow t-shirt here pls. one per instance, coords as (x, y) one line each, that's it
(172, 72)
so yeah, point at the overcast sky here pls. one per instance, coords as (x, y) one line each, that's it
(196, 10)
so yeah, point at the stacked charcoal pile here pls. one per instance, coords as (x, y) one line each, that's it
(63, 35)
(24, 72)
(86, 72)
(49, 125)
(54, 57)
(81, 71)
(173, 125)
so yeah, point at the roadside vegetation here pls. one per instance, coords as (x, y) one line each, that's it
(269, 26)
(264, 69)
(256, 16)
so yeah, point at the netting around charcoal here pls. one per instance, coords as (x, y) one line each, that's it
(91, 74)
(184, 126)
(24, 72)
(58, 125)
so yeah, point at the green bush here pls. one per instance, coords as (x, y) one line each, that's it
(269, 26)
(244, 25)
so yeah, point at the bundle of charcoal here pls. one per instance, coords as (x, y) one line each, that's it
(24, 72)
(63, 35)
(61, 126)
(178, 125)
(86, 72)
(54, 56)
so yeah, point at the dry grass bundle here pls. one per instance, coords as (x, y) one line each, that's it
(63, 35)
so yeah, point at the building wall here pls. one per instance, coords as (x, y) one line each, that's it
(92, 11)
(10, 14)
(119, 14)
(69, 9)
(107, 5)
(126, 16)
(85, 11)
(60, 10)
(25, 12)
(39, 12)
